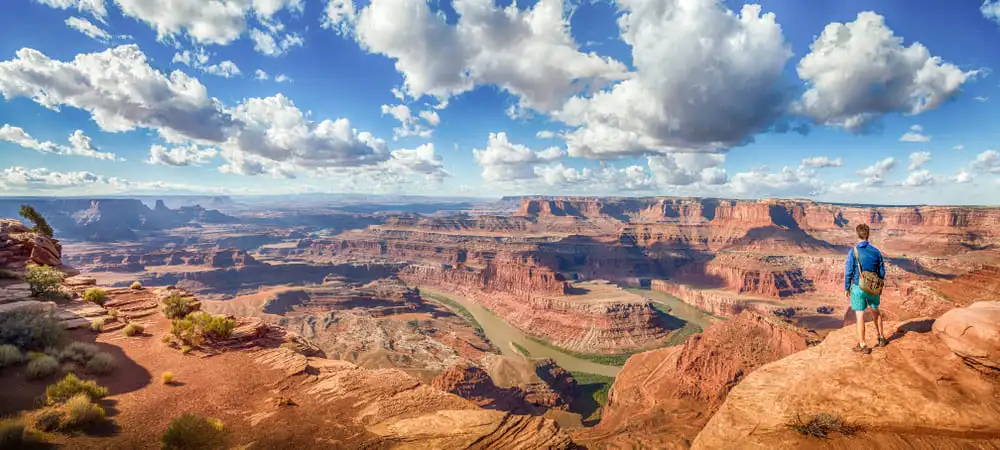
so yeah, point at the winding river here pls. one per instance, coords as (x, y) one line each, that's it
(502, 333)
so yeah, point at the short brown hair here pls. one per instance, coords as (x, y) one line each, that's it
(863, 231)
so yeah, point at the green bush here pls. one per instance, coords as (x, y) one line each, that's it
(194, 432)
(96, 296)
(10, 356)
(102, 364)
(41, 225)
(135, 286)
(42, 367)
(185, 331)
(30, 329)
(98, 324)
(50, 419)
(198, 327)
(134, 329)
(70, 386)
(78, 352)
(44, 280)
(83, 412)
(176, 307)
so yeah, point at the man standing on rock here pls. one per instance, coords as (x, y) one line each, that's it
(864, 276)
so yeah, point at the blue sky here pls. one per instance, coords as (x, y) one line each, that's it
(875, 102)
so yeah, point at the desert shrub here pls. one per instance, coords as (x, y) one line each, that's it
(167, 377)
(30, 329)
(78, 352)
(96, 296)
(41, 225)
(50, 419)
(133, 329)
(82, 412)
(194, 432)
(14, 434)
(41, 367)
(10, 356)
(176, 306)
(102, 364)
(44, 280)
(33, 355)
(135, 286)
(784, 312)
(98, 324)
(214, 327)
(70, 386)
(825, 309)
(185, 331)
(822, 425)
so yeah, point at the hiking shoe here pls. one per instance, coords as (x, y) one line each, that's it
(882, 342)
(860, 349)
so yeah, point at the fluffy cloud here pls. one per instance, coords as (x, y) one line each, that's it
(204, 21)
(505, 161)
(859, 71)
(94, 7)
(88, 28)
(545, 134)
(683, 169)
(260, 75)
(683, 96)
(987, 161)
(80, 144)
(269, 45)
(199, 60)
(282, 78)
(275, 129)
(918, 159)
(409, 123)
(915, 135)
(919, 178)
(963, 177)
(819, 162)
(181, 155)
(764, 183)
(421, 160)
(875, 174)
(120, 91)
(530, 53)
(991, 10)
(32, 181)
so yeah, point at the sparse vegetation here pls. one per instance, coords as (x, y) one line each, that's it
(102, 364)
(176, 307)
(50, 419)
(135, 286)
(787, 313)
(825, 309)
(30, 329)
(521, 349)
(198, 327)
(98, 324)
(10, 356)
(41, 225)
(96, 296)
(83, 412)
(194, 432)
(15, 434)
(593, 389)
(78, 352)
(113, 312)
(134, 329)
(167, 377)
(70, 386)
(44, 280)
(41, 367)
(822, 425)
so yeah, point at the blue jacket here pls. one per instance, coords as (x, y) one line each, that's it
(871, 261)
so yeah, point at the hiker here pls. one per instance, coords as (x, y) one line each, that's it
(864, 277)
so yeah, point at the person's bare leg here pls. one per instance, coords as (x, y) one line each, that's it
(878, 323)
(861, 327)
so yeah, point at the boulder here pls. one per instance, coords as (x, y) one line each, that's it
(473, 383)
(973, 333)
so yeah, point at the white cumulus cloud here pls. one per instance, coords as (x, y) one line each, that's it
(875, 174)
(88, 28)
(987, 161)
(915, 135)
(503, 160)
(80, 144)
(819, 162)
(918, 159)
(190, 155)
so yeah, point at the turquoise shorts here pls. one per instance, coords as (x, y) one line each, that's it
(861, 299)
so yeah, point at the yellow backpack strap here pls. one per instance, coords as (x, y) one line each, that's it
(857, 258)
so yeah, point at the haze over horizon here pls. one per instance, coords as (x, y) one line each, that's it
(888, 103)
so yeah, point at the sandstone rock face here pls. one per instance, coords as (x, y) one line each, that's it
(473, 383)
(662, 397)
(19, 246)
(973, 333)
(915, 393)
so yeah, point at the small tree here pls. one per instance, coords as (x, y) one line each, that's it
(40, 224)
(44, 280)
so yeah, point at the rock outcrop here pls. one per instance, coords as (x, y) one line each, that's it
(20, 246)
(661, 398)
(473, 383)
(973, 333)
(915, 393)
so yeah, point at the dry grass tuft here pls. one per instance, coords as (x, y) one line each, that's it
(822, 425)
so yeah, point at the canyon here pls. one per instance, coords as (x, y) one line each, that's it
(676, 302)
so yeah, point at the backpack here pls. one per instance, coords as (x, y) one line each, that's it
(869, 282)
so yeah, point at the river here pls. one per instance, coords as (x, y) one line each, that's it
(502, 333)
